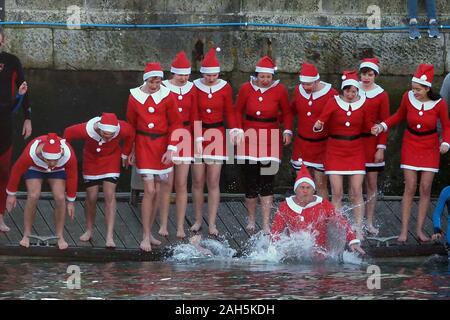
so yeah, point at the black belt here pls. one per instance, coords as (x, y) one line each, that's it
(312, 139)
(367, 135)
(251, 118)
(212, 125)
(186, 123)
(349, 138)
(153, 136)
(424, 133)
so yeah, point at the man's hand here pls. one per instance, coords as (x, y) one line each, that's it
(23, 88)
(132, 159)
(356, 247)
(11, 202)
(71, 209)
(26, 130)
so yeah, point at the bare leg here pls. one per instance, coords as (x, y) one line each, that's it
(212, 182)
(147, 212)
(321, 181)
(58, 187)
(357, 200)
(408, 194)
(109, 190)
(181, 175)
(337, 190)
(3, 226)
(90, 212)
(164, 205)
(372, 190)
(250, 204)
(33, 193)
(198, 185)
(426, 181)
(266, 206)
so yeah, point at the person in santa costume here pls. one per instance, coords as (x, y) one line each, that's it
(215, 105)
(185, 95)
(102, 157)
(307, 212)
(48, 158)
(345, 118)
(421, 148)
(259, 103)
(152, 112)
(309, 99)
(378, 107)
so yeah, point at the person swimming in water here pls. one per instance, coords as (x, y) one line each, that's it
(444, 199)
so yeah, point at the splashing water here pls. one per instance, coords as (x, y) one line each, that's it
(218, 249)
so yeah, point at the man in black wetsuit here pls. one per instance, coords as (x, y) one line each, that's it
(13, 96)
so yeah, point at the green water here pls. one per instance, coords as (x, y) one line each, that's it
(62, 98)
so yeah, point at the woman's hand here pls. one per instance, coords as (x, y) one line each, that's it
(23, 88)
(287, 138)
(444, 148)
(167, 157)
(11, 202)
(377, 129)
(318, 126)
(71, 209)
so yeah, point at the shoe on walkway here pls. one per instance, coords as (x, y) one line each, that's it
(433, 32)
(414, 33)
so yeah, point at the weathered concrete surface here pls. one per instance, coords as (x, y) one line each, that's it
(128, 49)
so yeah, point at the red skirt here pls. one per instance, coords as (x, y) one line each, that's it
(261, 145)
(214, 144)
(370, 148)
(185, 147)
(420, 153)
(312, 153)
(345, 157)
(149, 152)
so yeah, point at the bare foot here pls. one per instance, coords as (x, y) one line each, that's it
(163, 232)
(372, 230)
(25, 242)
(266, 230)
(110, 243)
(154, 241)
(3, 226)
(213, 230)
(402, 238)
(145, 245)
(251, 227)
(86, 236)
(359, 233)
(181, 234)
(196, 227)
(62, 244)
(422, 237)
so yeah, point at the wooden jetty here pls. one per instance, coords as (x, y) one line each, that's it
(231, 223)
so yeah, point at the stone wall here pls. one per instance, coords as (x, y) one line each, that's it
(128, 49)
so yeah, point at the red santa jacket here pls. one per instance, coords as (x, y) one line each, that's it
(154, 113)
(101, 159)
(186, 100)
(313, 218)
(421, 117)
(308, 107)
(30, 160)
(216, 103)
(258, 103)
(378, 109)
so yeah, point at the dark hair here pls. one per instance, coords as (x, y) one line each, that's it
(366, 70)
(348, 87)
(433, 95)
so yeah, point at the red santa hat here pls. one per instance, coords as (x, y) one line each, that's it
(266, 65)
(153, 69)
(308, 73)
(210, 64)
(51, 150)
(303, 176)
(372, 63)
(350, 78)
(108, 122)
(424, 74)
(181, 64)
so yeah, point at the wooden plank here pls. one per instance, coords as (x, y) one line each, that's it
(172, 225)
(98, 240)
(18, 216)
(4, 240)
(234, 231)
(100, 221)
(14, 235)
(131, 222)
(414, 219)
(386, 221)
(40, 223)
(395, 207)
(155, 229)
(80, 220)
(75, 229)
(239, 222)
(240, 211)
(46, 207)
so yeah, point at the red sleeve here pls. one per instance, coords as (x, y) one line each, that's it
(443, 116)
(229, 108)
(175, 121)
(288, 118)
(75, 132)
(197, 124)
(327, 111)
(399, 115)
(72, 176)
(279, 222)
(22, 164)
(131, 113)
(127, 133)
(194, 106)
(241, 104)
(294, 101)
(384, 114)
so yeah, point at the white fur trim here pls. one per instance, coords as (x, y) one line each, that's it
(256, 88)
(288, 132)
(107, 127)
(381, 146)
(298, 209)
(384, 125)
(308, 79)
(370, 65)
(102, 176)
(445, 144)
(372, 93)
(304, 179)
(418, 105)
(41, 164)
(355, 105)
(70, 199)
(262, 159)
(9, 193)
(124, 156)
(208, 157)
(404, 166)
(153, 171)
(264, 70)
(172, 148)
(346, 173)
(51, 156)
(183, 159)
(354, 241)
(93, 134)
(298, 164)
(375, 165)
(156, 73)
(181, 71)
(178, 90)
(350, 82)
(201, 86)
(210, 70)
(317, 94)
(420, 81)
